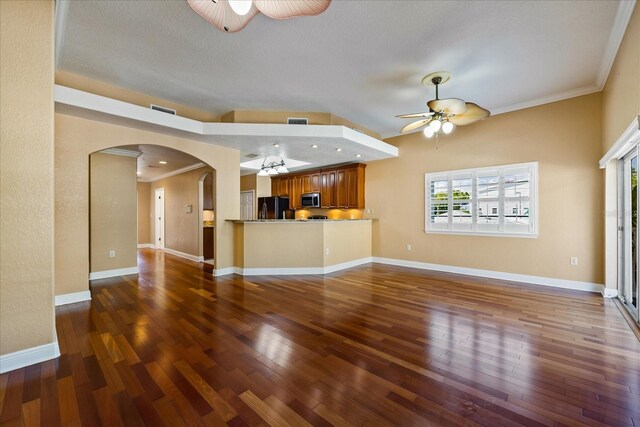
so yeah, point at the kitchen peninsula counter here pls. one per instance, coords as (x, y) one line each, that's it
(300, 246)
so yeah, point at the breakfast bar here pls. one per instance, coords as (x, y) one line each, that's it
(300, 247)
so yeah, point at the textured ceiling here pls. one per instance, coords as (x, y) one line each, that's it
(362, 60)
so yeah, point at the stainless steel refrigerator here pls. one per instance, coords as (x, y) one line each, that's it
(272, 207)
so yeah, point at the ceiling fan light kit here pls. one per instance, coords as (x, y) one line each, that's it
(444, 114)
(233, 15)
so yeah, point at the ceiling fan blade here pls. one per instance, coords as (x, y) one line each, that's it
(415, 125)
(283, 9)
(221, 16)
(414, 115)
(474, 113)
(448, 105)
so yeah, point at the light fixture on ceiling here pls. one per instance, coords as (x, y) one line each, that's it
(338, 149)
(234, 15)
(241, 7)
(272, 168)
(314, 146)
(276, 145)
(358, 155)
(444, 114)
(162, 162)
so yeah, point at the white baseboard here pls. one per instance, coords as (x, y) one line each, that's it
(225, 271)
(536, 280)
(609, 293)
(112, 273)
(29, 356)
(146, 245)
(300, 270)
(73, 298)
(182, 254)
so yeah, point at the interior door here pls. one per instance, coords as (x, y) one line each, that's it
(247, 208)
(159, 218)
(630, 293)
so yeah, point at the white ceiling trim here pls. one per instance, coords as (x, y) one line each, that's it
(623, 16)
(121, 152)
(89, 101)
(586, 90)
(172, 173)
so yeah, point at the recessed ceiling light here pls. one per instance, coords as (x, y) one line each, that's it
(162, 162)
(139, 173)
(314, 146)
(358, 155)
(276, 145)
(338, 149)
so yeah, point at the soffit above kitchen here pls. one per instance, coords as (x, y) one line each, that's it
(361, 60)
(313, 145)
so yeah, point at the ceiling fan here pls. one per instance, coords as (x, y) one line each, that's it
(444, 114)
(234, 15)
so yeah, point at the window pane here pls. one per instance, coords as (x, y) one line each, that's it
(516, 185)
(487, 187)
(516, 212)
(461, 188)
(439, 189)
(461, 212)
(487, 212)
(439, 213)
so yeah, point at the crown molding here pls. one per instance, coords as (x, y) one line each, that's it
(572, 93)
(121, 152)
(620, 24)
(172, 173)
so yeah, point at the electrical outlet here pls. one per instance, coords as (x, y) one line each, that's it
(574, 260)
(112, 254)
(409, 247)
(326, 251)
(368, 211)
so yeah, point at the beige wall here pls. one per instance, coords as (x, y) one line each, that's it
(346, 241)
(75, 140)
(564, 137)
(112, 209)
(144, 213)
(248, 116)
(26, 175)
(86, 84)
(301, 244)
(181, 229)
(621, 94)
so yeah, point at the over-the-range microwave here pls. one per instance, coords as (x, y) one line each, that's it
(310, 200)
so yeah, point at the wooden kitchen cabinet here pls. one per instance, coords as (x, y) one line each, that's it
(295, 192)
(328, 191)
(339, 186)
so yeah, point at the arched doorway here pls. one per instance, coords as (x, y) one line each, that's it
(76, 138)
(170, 207)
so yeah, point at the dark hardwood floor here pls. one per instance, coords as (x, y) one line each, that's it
(374, 345)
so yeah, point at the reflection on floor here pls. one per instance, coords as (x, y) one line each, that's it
(374, 345)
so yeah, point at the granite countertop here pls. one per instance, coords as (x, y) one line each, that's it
(294, 221)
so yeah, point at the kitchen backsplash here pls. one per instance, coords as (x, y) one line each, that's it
(331, 213)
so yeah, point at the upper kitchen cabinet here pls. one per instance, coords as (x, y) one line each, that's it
(339, 186)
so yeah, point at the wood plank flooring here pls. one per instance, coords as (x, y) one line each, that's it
(374, 345)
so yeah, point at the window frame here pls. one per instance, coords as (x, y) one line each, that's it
(503, 228)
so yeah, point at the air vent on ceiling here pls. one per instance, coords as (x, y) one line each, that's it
(153, 166)
(163, 109)
(251, 156)
(297, 121)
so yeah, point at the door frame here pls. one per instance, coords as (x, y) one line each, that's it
(625, 269)
(159, 220)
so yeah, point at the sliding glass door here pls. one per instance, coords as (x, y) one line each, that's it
(629, 292)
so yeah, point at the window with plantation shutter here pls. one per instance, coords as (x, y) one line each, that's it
(494, 201)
